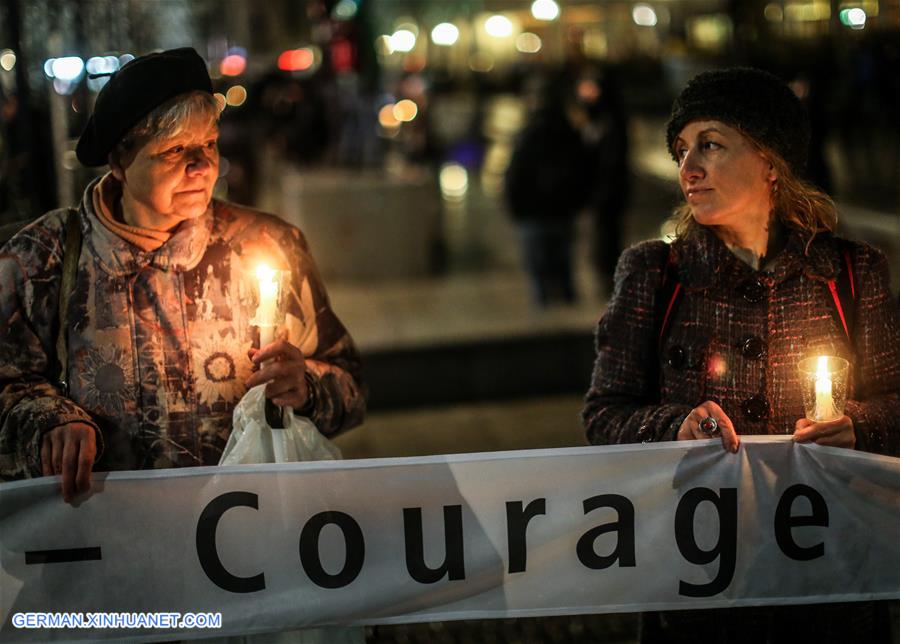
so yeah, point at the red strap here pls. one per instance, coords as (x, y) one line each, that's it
(665, 322)
(837, 303)
(850, 273)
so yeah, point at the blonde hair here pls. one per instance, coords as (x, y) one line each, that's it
(797, 204)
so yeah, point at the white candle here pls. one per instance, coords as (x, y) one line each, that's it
(824, 400)
(268, 302)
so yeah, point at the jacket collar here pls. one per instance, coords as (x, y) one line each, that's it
(704, 261)
(181, 252)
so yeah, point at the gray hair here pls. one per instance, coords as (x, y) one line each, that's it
(168, 120)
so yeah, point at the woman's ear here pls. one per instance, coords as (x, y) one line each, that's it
(122, 156)
(115, 167)
(114, 159)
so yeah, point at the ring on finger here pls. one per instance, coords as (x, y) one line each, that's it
(709, 426)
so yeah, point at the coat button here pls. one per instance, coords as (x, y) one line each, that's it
(675, 357)
(753, 290)
(753, 347)
(755, 408)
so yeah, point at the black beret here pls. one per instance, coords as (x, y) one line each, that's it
(759, 104)
(134, 91)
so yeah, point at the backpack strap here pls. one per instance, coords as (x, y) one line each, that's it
(667, 297)
(842, 290)
(71, 252)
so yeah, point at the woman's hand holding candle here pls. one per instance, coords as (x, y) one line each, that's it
(283, 368)
(836, 433)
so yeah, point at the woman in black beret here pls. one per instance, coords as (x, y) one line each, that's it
(702, 338)
(140, 362)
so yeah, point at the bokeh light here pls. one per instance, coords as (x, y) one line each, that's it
(383, 45)
(854, 18)
(403, 40)
(545, 9)
(528, 43)
(386, 117)
(236, 95)
(344, 10)
(405, 110)
(445, 34)
(296, 60)
(644, 15)
(101, 64)
(481, 61)
(8, 60)
(67, 68)
(454, 181)
(233, 65)
(498, 26)
(64, 87)
(773, 12)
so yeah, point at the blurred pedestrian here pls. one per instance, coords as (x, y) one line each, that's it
(27, 171)
(545, 188)
(599, 114)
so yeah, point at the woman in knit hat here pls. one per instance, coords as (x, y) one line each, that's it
(702, 338)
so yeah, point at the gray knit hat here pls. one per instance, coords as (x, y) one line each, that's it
(757, 103)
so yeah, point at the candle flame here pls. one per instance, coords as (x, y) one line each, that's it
(267, 310)
(822, 368)
(264, 273)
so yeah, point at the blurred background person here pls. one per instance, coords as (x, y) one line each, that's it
(598, 112)
(546, 186)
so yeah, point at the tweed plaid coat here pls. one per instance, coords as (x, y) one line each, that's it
(157, 341)
(737, 337)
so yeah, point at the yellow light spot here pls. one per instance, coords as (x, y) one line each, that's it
(454, 181)
(545, 9)
(528, 43)
(445, 34)
(8, 60)
(403, 40)
(644, 15)
(773, 12)
(405, 110)
(386, 117)
(481, 62)
(235, 96)
(498, 26)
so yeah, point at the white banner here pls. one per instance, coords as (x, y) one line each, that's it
(506, 534)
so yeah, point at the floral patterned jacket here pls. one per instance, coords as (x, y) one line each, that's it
(157, 341)
(737, 337)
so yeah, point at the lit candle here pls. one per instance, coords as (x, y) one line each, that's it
(267, 319)
(266, 313)
(825, 409)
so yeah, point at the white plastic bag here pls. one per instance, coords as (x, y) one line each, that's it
(253, 441)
